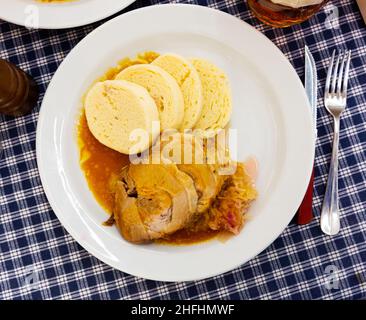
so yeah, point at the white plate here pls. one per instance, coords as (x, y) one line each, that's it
(270, 111)
(32, 13)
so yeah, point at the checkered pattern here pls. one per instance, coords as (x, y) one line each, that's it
(40, 260)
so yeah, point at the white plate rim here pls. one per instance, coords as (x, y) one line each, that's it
(307, 141)
(83, 16)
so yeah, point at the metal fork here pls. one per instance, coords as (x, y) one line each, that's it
(335, 96)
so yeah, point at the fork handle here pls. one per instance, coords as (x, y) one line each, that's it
(329, 219)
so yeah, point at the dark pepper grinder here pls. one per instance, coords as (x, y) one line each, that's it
(18, 91)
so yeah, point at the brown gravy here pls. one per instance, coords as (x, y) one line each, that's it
(184, 237)
(98, 163)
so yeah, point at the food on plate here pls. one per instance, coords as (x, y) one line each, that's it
(153, 201)
(207, 182)
(216, 109)
(101, 165)
(163, 89)
(190, 155)
(187, 77)
(184, 187)
(114, 109)
(141, 58)
(233, 201)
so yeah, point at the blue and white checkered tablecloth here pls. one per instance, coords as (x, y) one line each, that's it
(40, 260)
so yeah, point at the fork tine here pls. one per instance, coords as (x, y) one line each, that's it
(329, 74)
(340, 76)
(346, 74)
(335, 72)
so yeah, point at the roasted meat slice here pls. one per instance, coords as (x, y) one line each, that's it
(207, 183)
(127, 217)
(188, 152)
(152, 201)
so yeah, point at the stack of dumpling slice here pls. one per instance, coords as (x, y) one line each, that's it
(170, 93)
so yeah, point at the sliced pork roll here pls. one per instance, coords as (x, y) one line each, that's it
(153, 201)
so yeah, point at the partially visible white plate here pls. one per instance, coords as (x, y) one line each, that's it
(270, 112)
(59, 15)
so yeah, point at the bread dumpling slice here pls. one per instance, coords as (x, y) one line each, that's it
(116, 110)
(163, 89)
(187, 78)
(217, 104)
